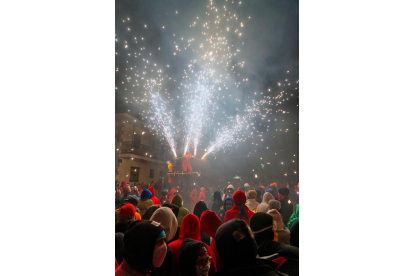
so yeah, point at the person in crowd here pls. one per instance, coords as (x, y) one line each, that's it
(237, 249)
(177, 200)
(264, 232)
(209, 223)
(246, 187)
(199, 208)
(132, 200)
(217, 202)
(273, 187)
(286, 204)
(282, 233)
(145, 202)
(119, 247)
(251, 202)
(134, 191)
(171, 193)
(144, 249)
(211, 201)
(259, 197)
(154, 198)
(175, 209)
(194, 258)
(229, 192)
(126, 217)
(294, 217)
(164, 197)
(294, 234)
(190, 229)
(166, 217)
(264, 206)
(193, 197)
(150, 211)
(118, 198)
(239, 210)
(126, 193)
(201, 194)
(274, 204)
(227, 205)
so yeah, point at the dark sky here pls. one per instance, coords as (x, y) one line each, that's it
(270, 48)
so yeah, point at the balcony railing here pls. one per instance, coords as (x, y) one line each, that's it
(128, 147)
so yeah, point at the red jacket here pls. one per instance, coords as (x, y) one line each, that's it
(193, 196)
(209, 223)
(171, 194)
(234, 213)
(190, 228)
(154, 198)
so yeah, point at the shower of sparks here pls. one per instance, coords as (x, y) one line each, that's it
(212, 90)
(162, 120)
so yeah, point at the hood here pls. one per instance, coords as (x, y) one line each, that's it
(274, 204)
(188, 256)
(284, 191)
(277, 218)
(258, 223)
(266, 197)
(294, 217)
(224, 203)
(239, 197)
(190, 228)
(251, 194)
(234, 243)
(217, 196)
(139, 243)
(209, 223)
(150, 211)
(177, 200)
(166, 217)
(174, 208)
(127, 211)
(146, 194)
(199, 208)
(230, 187)
(152, 190)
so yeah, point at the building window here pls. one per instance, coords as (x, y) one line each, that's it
(151, 173)
(161, 175)
(137, 140)
(134, 174)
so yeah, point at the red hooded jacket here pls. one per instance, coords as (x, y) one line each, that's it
(190, 228)
(193, 195)
(171, 194)
(154, 198)
(209, 223)
(239, 199)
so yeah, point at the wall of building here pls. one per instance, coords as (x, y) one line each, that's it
(144, 170)
(124, 129)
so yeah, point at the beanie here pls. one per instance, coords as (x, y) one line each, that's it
(146, 194)
(284, 191)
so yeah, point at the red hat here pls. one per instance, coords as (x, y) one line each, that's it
(239, 198)
(127, 211)
(124, 184)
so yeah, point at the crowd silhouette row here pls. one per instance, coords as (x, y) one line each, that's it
(242, 233)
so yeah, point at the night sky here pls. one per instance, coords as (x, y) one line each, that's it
(260, 60)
